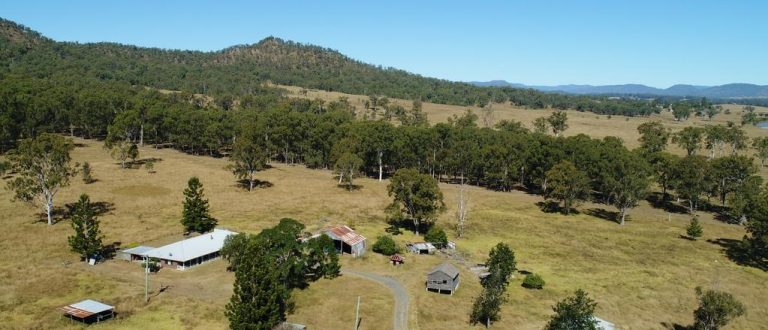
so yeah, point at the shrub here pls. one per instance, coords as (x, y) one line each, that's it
(86, 170)
(574, 312)
(386, 245)
(716, 309)
(150, 166)
(533, 281)
(436, 235)
(694, 229)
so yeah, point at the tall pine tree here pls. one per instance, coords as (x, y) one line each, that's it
(196, 216)
(87, 238)
(260, 297)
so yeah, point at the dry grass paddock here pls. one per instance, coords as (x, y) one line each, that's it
(642, 274)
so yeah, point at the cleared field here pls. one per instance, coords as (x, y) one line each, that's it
(642, 275)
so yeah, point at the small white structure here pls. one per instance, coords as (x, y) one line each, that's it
(193, 251)
(421, 248)
(604, 325)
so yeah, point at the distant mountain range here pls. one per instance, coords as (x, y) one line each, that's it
(728, 91)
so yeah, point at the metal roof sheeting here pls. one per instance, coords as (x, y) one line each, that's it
(139, 250)
(446, 268)
(86, 308)
(192, 248)
(345, 234)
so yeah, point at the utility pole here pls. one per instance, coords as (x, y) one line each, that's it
(146, 279)
(357, 314)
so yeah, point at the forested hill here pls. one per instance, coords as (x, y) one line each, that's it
(242, 70)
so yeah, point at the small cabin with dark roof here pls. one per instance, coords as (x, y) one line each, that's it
(442, 278)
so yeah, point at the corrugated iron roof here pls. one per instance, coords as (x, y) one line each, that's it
(446, 268)
(86, 308)
(345, 234)
(139, 250)
(192, 248)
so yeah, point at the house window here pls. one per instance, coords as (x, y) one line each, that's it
(445, 282)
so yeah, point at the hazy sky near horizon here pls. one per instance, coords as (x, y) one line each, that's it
(656, 42)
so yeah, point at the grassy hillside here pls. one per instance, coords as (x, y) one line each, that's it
(642, 274)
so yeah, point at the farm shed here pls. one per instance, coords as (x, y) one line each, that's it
(192, 251)
(444, 277)
(421, 248)
(88, 311)
(134, 254)
(346, 240)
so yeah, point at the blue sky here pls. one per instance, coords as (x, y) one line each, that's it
(658, 43)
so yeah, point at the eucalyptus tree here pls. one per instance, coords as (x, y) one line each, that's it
(689, 138)
(691, 178)
(43, 167)
(760, 144)
(558, 121)
(653, 136)
(715, 138)
(567, 184)
(415, 195)
(247, 158)
(376, 139)
(627, 181)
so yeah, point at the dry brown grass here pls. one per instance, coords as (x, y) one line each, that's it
(641, 274)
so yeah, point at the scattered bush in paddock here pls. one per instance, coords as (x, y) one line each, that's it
(533, 281)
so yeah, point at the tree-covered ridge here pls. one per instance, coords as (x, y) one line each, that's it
(242, 70)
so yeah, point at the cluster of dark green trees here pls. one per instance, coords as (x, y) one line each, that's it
(268, 266)
(728, 177)
(242, 70)
(50, 86)
(564, 169)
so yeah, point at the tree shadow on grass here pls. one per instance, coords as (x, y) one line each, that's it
(108, 251)
(737, 252)
(397, 226)
(146, 160)
(675, 326)
(657, 201)
(354, 187)
(137, 164)
(724, 217)
(686, 237)
(554, 207)
(100, 208)
(59, 213)
(244, 184)
(605, 214)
